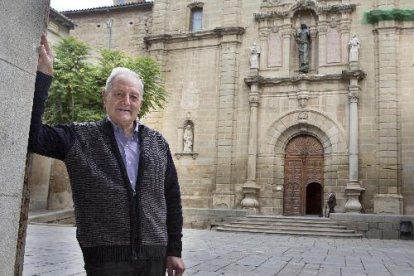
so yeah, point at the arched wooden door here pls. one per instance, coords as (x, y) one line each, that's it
(303, 165)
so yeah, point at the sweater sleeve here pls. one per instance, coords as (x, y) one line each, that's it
(43, 139)
(174, 210)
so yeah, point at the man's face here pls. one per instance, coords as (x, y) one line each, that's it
(123, 100)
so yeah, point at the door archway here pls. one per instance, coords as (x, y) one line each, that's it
(304, 156)
(314, 199)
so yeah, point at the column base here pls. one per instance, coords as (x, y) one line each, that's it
(353, 191)
(388, 204)
(250, 201)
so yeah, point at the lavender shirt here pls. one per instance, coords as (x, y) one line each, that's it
(129, 149)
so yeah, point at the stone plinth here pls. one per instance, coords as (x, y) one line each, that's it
(388, 204)
(20, 27)
(373, 226)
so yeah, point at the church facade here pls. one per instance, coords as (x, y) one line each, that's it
(275, 104)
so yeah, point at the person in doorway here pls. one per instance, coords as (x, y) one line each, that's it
(331, 202)
(125, 189)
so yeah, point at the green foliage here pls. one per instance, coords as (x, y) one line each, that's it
(72, 96)
(75, 95)
(375, 16)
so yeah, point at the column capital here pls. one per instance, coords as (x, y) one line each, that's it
(353, 96)
(254, 99)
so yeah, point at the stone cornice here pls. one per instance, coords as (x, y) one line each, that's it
(130, 6)
(62, 19)
(294, 79)
(353, 74)
(215, 33)
(319, 9)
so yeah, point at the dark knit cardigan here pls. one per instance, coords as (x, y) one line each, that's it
(114, 222)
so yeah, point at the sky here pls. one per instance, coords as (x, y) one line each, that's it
(64, 5)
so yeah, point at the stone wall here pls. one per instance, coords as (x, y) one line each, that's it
(121, 29)
(204, 218)
(373, 226)
(20, 31)
(206, 72)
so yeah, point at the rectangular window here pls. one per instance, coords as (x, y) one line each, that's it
(196, 19)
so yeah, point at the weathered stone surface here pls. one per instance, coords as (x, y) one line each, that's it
(21, 24)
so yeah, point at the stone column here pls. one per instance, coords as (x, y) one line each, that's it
(223, 196)
(388, 200)
(20, 26)
(250, 188)
(353, 188)
(286, 31)
(322, 30)
(345, 36)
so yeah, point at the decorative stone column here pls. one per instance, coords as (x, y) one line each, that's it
(353, 189)
(250, 188)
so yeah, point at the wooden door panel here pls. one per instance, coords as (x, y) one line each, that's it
(303, 165)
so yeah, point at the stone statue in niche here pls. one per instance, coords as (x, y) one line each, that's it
(353, 46)
(188, 139)
(302, 37)
(254, 56)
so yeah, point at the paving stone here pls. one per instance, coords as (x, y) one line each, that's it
(351, 271)
(54, 248)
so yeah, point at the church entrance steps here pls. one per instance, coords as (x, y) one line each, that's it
(301, 226)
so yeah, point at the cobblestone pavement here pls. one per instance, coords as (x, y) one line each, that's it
(53, 250)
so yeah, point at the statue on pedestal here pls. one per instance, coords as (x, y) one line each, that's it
(254, 56)
(302, 37)
(188, 139)
(353, 46)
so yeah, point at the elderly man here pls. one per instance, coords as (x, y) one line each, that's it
(125, 188)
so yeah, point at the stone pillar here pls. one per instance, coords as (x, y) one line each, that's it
(345, 36)
(223, 196)
(231, 13)
(286, 31)
(313, 53)
(388, 200)
(250, 188)
(39, 182)
(20, 29)
(322, 30)
(353, 188)
(159, 16)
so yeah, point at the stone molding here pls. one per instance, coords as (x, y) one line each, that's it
(194, 36)
(322, 126)
(280, 12)
(178, 155)
(294, 79)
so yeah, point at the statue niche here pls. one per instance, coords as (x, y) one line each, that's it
(304, 30)
(303, 39)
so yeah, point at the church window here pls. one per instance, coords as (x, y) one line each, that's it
(196, 23)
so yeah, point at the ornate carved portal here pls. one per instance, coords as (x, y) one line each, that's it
(303, 186)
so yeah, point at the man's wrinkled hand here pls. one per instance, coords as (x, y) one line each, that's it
(175, 266)
(45, 61)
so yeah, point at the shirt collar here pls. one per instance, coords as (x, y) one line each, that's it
(119, 130)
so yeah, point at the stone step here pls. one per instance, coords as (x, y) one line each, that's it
(304, 226)
(288, 228)
(290, 232)
(286, 221)
(288, 224)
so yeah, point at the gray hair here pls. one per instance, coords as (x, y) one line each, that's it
(123, 71)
